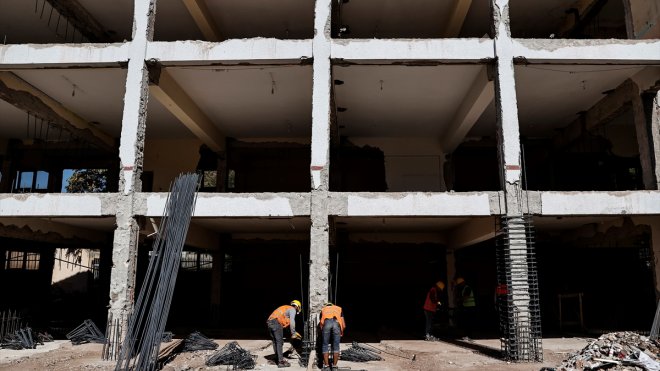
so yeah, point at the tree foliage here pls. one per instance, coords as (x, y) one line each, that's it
(88, 181)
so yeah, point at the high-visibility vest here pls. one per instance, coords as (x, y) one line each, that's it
(468, 301)
(280, 315)
(333, 312)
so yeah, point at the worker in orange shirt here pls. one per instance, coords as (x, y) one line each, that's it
(332, 327)
(431, 305)
(281, 318)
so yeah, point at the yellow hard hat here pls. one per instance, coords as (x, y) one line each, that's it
(440, 285)
(460, 280)
(296, 303)
(327, 304)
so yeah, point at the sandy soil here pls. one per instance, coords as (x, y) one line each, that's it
(478, 355)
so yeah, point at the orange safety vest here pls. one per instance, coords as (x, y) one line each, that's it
(280, 315)
(333, 312)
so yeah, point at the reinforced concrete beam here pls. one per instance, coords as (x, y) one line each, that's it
(456, 19)
(562, 51)
(57, 205)
(410, 204)
(81, 20)
(37, 56)
(600, 203)
(471, 232)
(232, 205)
(473, 105)
(202, 17)
(398, 50)
(254, 50)
(28, 98)
(168, 92)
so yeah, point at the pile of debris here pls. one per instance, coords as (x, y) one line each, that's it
(616, 351)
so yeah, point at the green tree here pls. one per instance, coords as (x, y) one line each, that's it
(88, 181)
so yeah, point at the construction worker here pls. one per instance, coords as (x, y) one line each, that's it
(281, 318)
(431, 306)
(466, 307)
(332, 326)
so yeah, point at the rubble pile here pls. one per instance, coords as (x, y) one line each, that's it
(616, 351)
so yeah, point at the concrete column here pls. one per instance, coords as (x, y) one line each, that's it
(124, 250)
(655, 137)
(320, 164)
(642, 133)
(510, 170)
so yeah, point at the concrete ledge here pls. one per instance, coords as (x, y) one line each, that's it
(49, 55)
(56, 205)
(232, 205)
(394, 50)
(600, 203)
(588, 51)
(260, 50)
(410, 204)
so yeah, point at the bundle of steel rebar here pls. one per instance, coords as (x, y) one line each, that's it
(10, 321)
(197, 341)
(357, 353)
(139, 350)
(167, 337)
(44, 337)
(86, 332)
(308, 342)
(233, 355)
(20, 339)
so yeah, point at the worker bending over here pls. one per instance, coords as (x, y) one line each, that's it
(332, 327)
(281, 318)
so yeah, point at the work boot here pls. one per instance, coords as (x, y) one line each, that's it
(283, 363)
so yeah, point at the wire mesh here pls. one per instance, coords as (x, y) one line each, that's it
(518, 301)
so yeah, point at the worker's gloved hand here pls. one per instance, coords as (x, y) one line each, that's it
(296, 336)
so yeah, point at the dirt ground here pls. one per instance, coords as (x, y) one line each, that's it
(441, 355)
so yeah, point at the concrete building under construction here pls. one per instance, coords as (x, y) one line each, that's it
(354, 151)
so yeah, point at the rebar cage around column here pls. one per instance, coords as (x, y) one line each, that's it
(308, 341)
(517, 294)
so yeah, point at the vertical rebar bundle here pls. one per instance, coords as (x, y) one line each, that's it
(518, 291)
(139, 350)
(655, 328)
(309, 341)
(112, 345)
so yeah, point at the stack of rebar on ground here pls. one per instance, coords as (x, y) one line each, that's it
(139, 350)
(518, 300)
(87, 332)
(359, 353)
(233, 355)
(20, 339)
(197, 341)
(167, 336)
(10, 321)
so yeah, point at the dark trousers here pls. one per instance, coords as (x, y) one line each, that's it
(467, 320)
(276, 333)
(428, 315)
